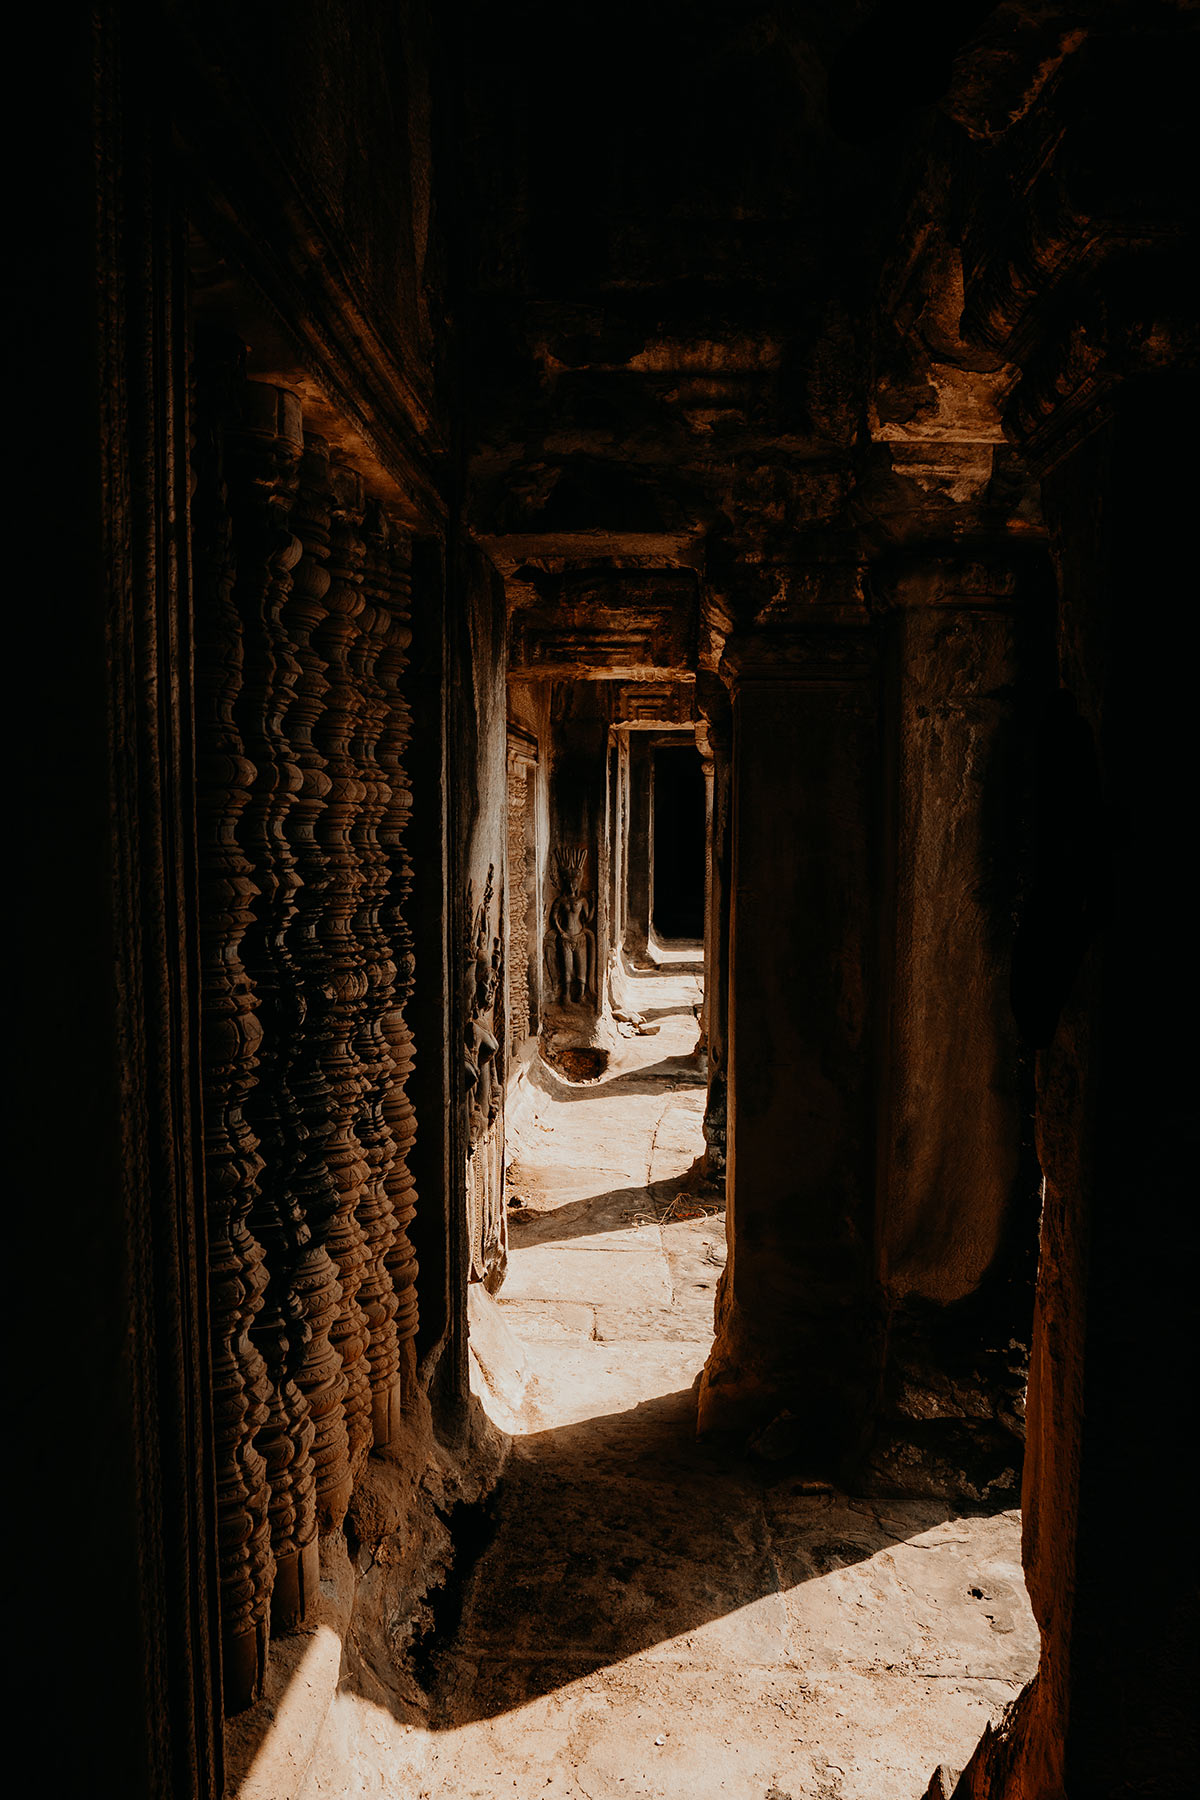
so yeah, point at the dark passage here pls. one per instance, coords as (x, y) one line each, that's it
(678, 843)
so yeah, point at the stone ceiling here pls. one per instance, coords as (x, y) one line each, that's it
(715, 284)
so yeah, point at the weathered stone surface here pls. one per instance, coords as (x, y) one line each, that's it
(802, 1001)
(647, 1615)
(661, 330)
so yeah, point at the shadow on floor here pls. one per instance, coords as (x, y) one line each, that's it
(668, 1012)
(620, 1533)
(683, 964)
(681, 1069)
(617, 1209)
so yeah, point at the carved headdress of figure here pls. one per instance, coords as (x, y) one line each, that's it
(571, 864)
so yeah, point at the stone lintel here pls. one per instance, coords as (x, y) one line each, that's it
(522, 747)
(986, 579)
(638, 647)
(654, 705)
(665, 723)
(591, 668)
(769, 595)
(566, 551)
(608, 625)
(837, 649)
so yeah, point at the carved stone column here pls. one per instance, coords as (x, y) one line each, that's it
(1078, 269)
(714, 737)
(958, 1187)
(339, 1005)
(483, 1066)
(387, 1206)
(395, 564)
(230, 1038)
(264, 442)
(794, 1339)
(706, 769)
(639, 839)
(319, 1372)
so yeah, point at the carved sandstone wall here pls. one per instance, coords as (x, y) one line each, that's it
(302, 625)
(518, 904)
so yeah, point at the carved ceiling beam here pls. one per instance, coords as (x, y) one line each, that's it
(649, 705)
(562, 551)
(607, 625)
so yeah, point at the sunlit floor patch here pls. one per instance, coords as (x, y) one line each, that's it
(650, 1618)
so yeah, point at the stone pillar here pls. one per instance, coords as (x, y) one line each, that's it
(388, 1294)
(714, 738)
(1084, 284)
(639, 868)
(339, 1008)
(319, 1372)
(1101, 989)
(706, 768)
(478, 776)
(793, 1348)
(436, 1233)
(607, 866)
(958, 1189)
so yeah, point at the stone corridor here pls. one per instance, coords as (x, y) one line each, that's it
(603, 841)
(651, 1621)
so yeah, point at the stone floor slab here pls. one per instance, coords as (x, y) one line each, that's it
(651, 1621)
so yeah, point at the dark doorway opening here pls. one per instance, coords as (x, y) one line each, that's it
(678, 909)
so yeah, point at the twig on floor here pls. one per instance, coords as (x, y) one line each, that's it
(682, 1207)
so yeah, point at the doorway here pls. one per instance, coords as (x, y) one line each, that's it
(678, 843)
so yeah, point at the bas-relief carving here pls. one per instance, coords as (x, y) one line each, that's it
(570, 947)
(483, 1077)
(519, 997)
(656, 703)
(483, 980)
